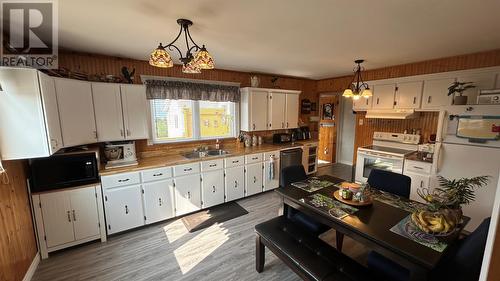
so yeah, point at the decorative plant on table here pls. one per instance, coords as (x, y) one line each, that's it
(444, 203)
(460, 87)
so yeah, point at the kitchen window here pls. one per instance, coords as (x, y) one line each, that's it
(188, 120)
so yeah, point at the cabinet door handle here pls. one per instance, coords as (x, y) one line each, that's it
(254, 179)
(421, 184)
(121, 133)
(366, 101)
(213, 188)
(416, 167)
(253, 126)
(235, 184)
(128, 132)
(378, 100)
(189, 195)
(287, 124)
(159, 201)
(282, 125)
(255, 158)
(414, 100)
(188, 169)
(270, 125)
(157, 175)
(126, 209)
(429, 98)
(74, 215)
(212, 165)
(69, 216)
(125, 180)
(95, 134)
(236, 161)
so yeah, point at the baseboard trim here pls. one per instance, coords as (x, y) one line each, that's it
(31, 270)
(345, 162)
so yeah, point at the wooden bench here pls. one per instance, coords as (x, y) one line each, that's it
(306, 255)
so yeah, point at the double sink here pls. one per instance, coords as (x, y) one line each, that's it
(205, 153)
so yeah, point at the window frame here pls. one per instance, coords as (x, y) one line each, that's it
(196, 126)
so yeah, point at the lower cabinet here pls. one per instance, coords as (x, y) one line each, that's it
(212, 188)
(158, 200)
(187, 194)
(271, 178)
(418, 181)
(235, 183)
(253, 178)
(123, 208)
(69, 217)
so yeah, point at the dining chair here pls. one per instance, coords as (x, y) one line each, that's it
(288, 176)
(394, 183)
(461, 263)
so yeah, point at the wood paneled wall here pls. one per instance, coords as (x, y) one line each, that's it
(17, 236)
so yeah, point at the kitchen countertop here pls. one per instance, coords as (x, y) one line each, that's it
(175, 157)
(418, 156)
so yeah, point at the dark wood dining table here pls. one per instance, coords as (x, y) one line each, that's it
(371, 226)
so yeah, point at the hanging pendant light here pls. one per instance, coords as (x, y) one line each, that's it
(190, 64)
(357, 88)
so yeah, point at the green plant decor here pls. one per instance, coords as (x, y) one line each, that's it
(460, 87)
(452, 194)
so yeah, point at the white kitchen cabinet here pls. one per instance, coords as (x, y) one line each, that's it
(65, 218)
(212, 188)
(292, 111)
(418, 181)
(253, 109)
(187, 190)
(277, 110)
(234, 183)
(408, 95)
(134, 111)
(76, 111)
(108, 111)
(158, 200)
(482, 81)
(435, 93)
(253, 179)
(29, 116)
(362, 104)
(383, 96)
(123, 208)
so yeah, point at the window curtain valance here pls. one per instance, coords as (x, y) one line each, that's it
(179, 90)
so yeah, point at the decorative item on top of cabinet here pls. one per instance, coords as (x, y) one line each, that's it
(459, 88)
(254, 81)
(129, 76)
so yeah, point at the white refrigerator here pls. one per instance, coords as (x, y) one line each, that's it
(467, 148)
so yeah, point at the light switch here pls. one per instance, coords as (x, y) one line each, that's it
(361, 122)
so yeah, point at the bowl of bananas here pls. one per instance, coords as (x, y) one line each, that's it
(439, 223)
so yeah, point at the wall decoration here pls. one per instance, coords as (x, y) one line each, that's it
(328, 111)
(314, 106)
(305, 106)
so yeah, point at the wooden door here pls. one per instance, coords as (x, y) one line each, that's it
(123, 208)
(212, 188)
(328, 128)
(51, 112)
(187, 194)
(108, 111)
(277, 110)
(158, 200)
(135, 111)
(57, 220)
(258, 110)
(383, 96)
(409, 95)
(84, 212)
(253, 179)
(76, 110)
(292, 111)
(235, 183)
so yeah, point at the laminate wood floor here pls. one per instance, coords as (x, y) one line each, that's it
(167, 251)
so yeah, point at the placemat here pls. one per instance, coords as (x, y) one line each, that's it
(312, 184)
(329, 205)
(396, 201)
(408, 229)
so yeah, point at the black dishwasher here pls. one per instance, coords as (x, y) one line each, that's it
(290, 157)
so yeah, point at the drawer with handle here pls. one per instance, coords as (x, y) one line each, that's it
(274, 154)
(120, 180)
(187, 169)
(417, 167)
(253, 158)
(234, 161)
(211, 165)
(156, 174)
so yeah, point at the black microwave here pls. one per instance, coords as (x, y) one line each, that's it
(63, 170)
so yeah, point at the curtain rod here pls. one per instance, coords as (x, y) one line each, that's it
(166, 78)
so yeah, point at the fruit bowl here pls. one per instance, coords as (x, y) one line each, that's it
(440, 223)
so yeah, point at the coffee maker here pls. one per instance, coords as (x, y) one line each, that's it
(302, 133)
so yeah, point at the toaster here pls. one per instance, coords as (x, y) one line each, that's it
(282, 138)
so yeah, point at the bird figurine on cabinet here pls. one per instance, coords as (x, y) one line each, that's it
(129, 76)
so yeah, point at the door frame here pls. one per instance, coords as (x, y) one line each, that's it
(340, 131)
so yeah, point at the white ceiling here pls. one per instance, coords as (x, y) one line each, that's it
(306, 38)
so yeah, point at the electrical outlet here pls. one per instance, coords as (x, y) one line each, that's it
(361, 121)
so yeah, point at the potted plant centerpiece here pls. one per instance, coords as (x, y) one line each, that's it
(460, 87)
(444, 203)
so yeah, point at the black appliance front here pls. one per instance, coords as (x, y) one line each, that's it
(290, 157)
(63, 170)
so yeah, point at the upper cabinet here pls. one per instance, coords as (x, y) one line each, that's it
(108, 111)
(29, 117)
(76, 110)
(135, 113)
(408, 95)
(268, 109)
(362, 104)
(383, 96)
(436, 93)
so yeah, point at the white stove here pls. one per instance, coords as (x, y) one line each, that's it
(387, 152)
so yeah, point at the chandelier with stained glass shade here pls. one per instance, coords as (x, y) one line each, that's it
(193, 60)
(357, 88)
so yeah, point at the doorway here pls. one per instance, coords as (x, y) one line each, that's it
(346, 134)
(329, 117)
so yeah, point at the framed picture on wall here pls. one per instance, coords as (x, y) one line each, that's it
(327, 111)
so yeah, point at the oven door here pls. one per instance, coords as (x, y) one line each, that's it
(368, 161)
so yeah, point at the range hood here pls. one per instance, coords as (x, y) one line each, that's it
(392, 114)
